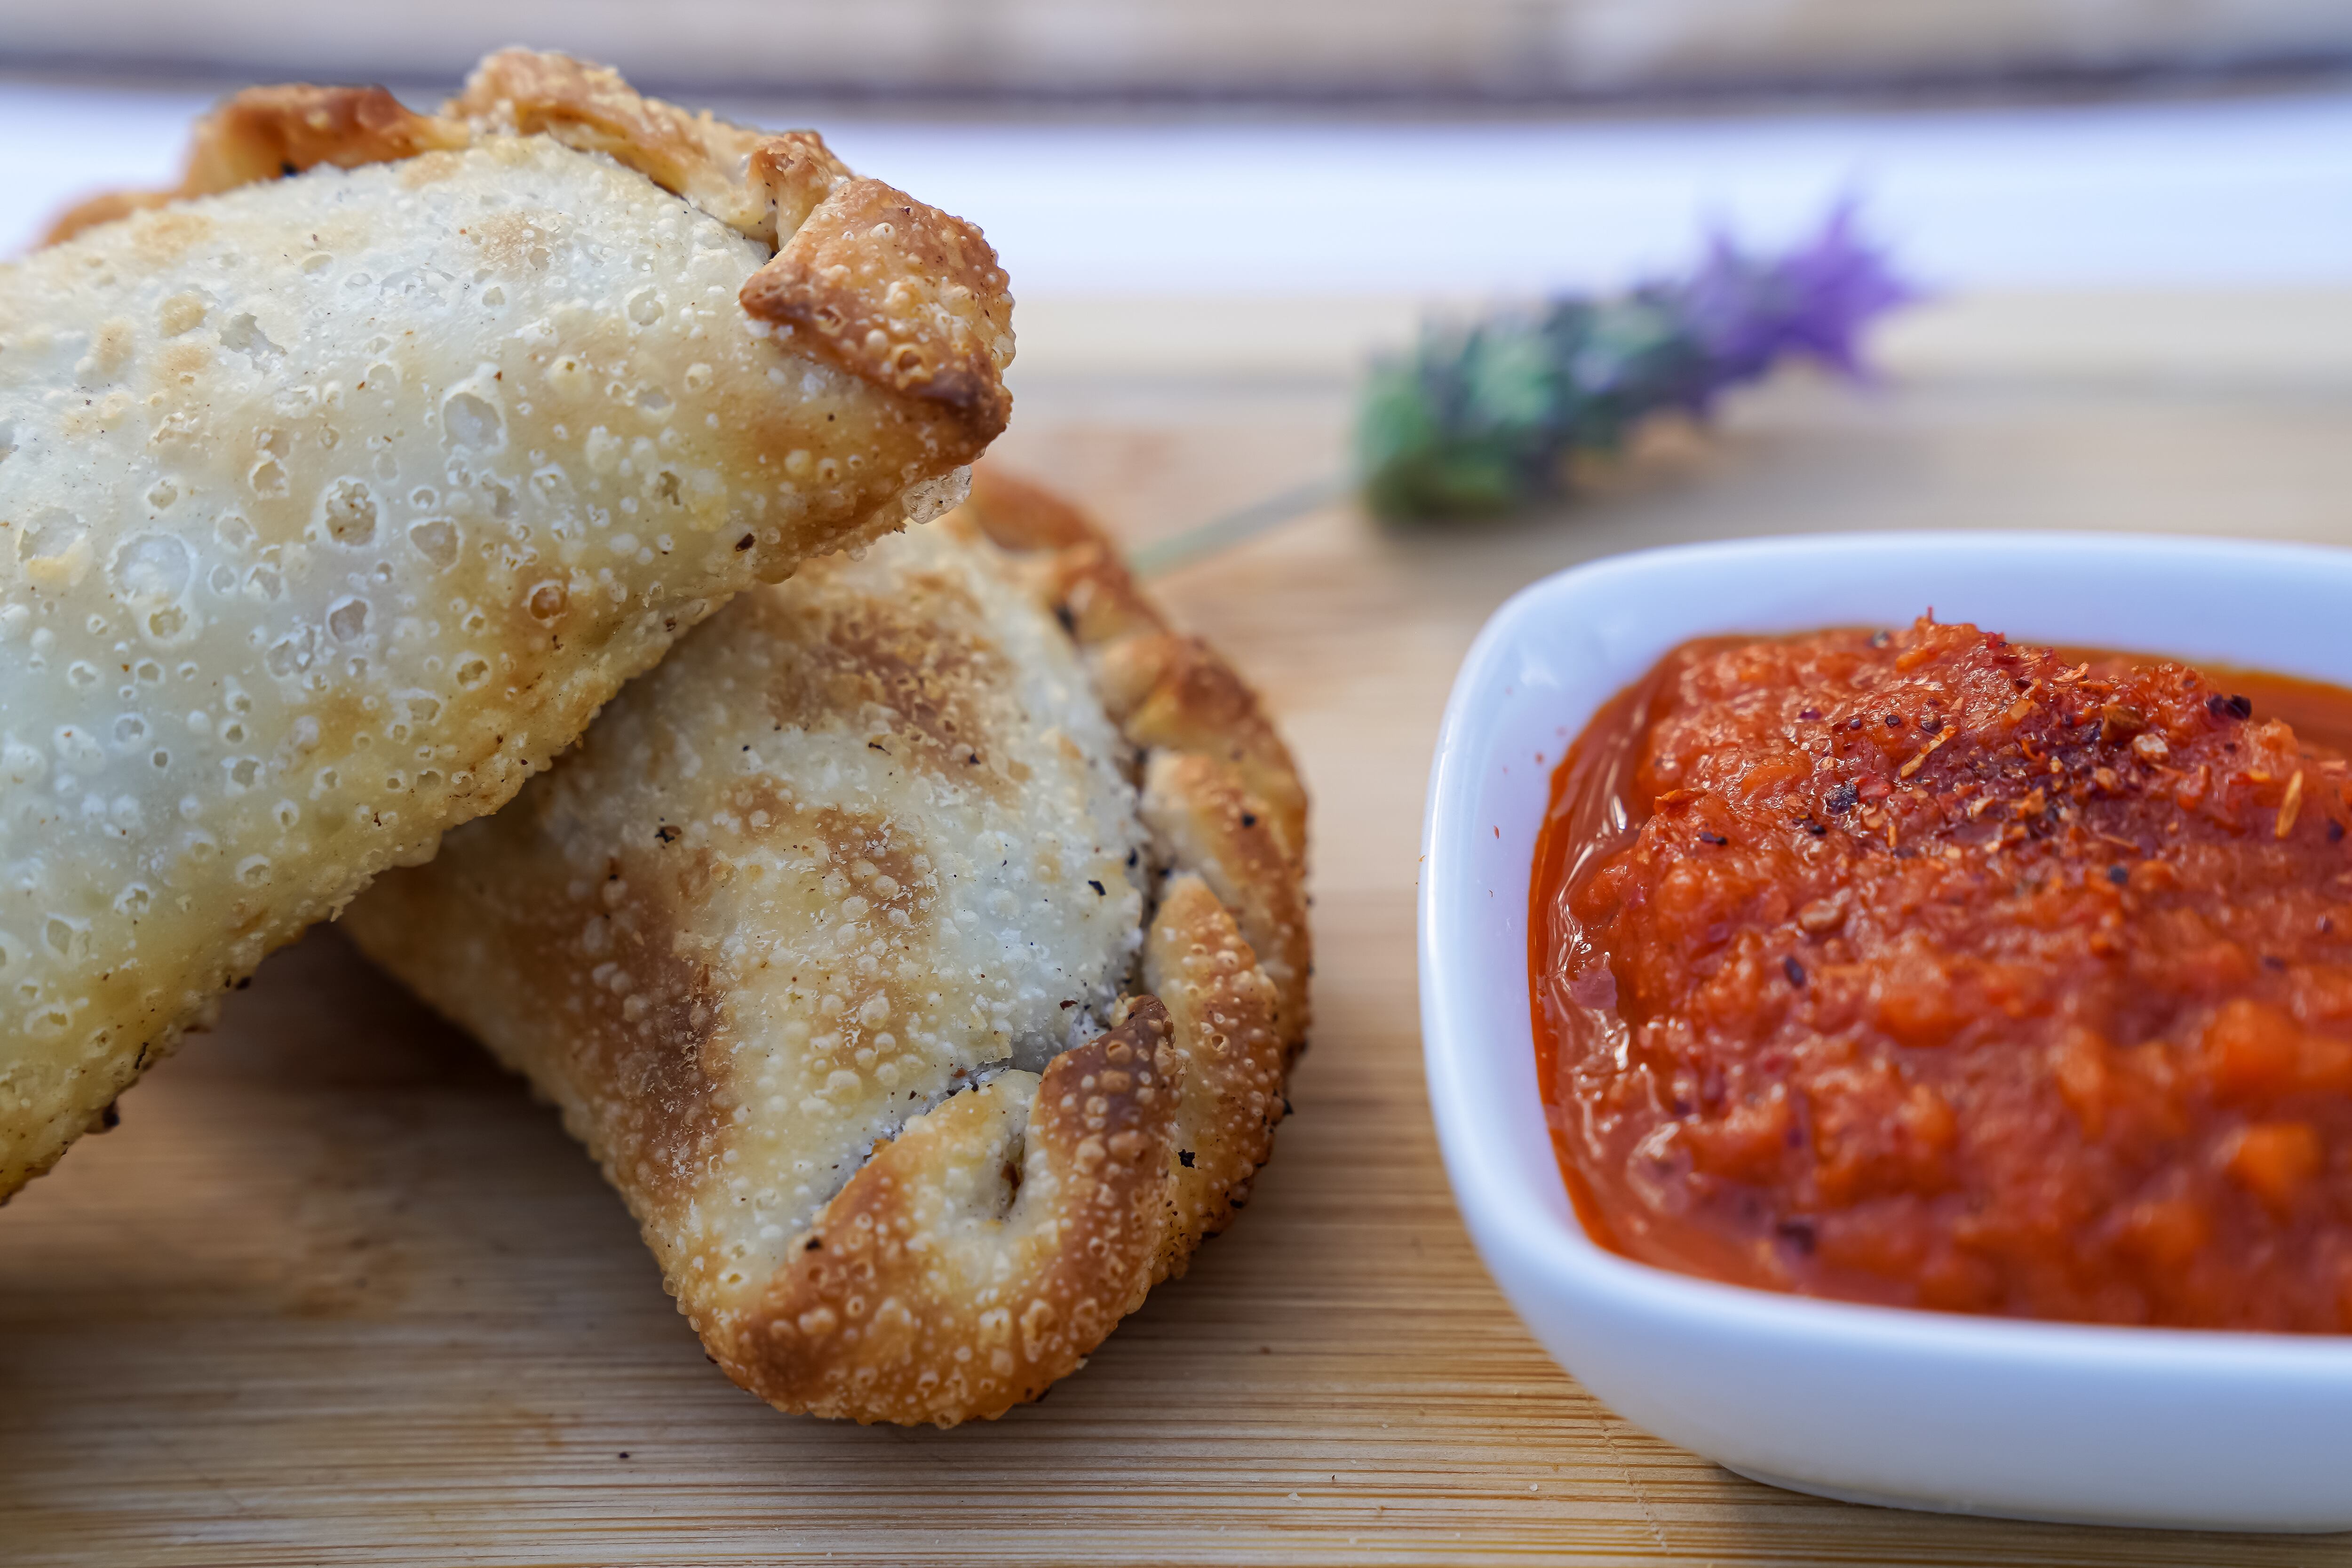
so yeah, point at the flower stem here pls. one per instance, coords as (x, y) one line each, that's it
(1237, 527)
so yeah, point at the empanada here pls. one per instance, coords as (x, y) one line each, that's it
(331, 506)
(922, 949)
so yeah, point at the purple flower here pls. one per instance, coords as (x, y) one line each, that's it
(1481, 416)
(1746, 311)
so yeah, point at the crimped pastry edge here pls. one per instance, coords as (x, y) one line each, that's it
(1135, 1146)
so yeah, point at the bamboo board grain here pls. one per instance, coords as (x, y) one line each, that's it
(338, 1290)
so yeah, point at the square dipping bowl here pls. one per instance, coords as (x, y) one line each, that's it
(2075, 1423)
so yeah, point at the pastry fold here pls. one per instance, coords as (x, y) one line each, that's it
(341, 485)
(922, 949)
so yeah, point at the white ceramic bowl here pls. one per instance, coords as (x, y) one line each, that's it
(1913, 1409)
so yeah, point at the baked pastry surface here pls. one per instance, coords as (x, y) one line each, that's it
(922, 949)
(332, 505)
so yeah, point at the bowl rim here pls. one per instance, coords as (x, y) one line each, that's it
(1509, 1212)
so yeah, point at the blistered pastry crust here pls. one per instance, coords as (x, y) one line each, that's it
(923, 314)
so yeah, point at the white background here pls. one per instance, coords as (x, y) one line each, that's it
(2219, 193)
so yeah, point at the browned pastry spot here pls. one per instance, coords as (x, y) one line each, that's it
(1201, 810)
(1173, 693)
(646, 1027)
(265, 132)
(781, 177)
(903, 1304)
(638, 1012)
(103, 207)
(893, 664)
(795, 171)
(1231, 1058)
(899, 294)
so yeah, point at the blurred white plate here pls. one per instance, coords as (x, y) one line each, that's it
(1913, 1409)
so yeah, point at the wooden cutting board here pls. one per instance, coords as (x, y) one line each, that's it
(337, 1289)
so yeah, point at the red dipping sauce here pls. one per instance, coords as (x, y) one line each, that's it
(1933, 970)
